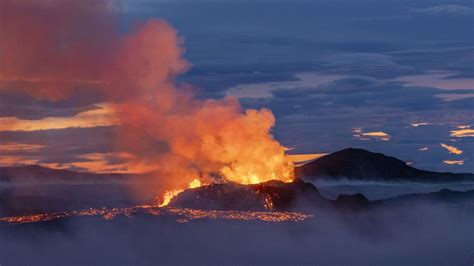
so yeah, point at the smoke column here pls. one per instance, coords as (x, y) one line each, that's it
(51, 49)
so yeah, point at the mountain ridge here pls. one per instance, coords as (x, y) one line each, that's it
(364, 165)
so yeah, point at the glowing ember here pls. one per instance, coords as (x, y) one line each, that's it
(191, 214)
(268, 203)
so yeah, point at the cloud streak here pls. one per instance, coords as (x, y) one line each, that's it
(462, 133)
(452, 149)
(104, 115)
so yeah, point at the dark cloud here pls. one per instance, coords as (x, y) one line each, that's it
(460, 58)
(366, 64)
(22, 106)
(65, 145)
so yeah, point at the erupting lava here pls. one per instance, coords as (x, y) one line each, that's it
(170, 194)
(161, 122)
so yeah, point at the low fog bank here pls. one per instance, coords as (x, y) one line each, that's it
(384, 190)
(422, 234)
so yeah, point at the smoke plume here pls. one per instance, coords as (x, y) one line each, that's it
(51, 49)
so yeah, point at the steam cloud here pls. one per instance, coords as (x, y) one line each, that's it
(52, 49)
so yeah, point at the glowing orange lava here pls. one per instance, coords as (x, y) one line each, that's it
(170, 194)
(181, 215)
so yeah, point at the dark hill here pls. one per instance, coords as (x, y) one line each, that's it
(272, 195)
(359, 164)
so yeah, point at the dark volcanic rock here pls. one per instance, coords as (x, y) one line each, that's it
(359, 164)
(273, 195)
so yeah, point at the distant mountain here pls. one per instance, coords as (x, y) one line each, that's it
(35, 173)
(363, 165)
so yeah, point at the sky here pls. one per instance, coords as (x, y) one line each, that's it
(395, 77)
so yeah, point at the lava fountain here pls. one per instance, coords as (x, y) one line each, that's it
(170, 194)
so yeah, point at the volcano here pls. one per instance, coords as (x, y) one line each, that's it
(296, 196)
(267, 196)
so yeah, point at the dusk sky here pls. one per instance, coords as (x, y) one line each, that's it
(389, 76)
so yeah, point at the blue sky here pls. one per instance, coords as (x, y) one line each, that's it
(391, 76)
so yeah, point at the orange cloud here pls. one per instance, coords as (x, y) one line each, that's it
(378, 135)
(454, 162)
(19, 147)
(100, 163)
(17, 160)
(12, 147)
(451, 149)
(462, 133)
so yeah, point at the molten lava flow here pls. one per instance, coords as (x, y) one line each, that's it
(181, 215)
(268, 203)
(195, 183)
(170, 194)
